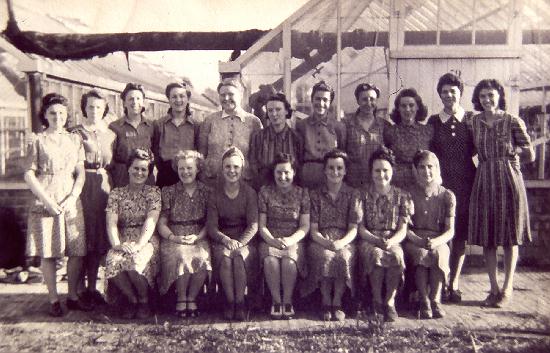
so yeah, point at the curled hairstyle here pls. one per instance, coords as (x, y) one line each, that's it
(141, 154)
(424, 155)
(384, 154)
(322, 86)
(197, 157)
(364, 87)
(47, 101)
(279, 97)
(92, 94)
(132, 87)
(281, 158)
(451, 80)
(233, 151)
(488, 84)
(230, 82)
(333, 154)
(422, 111)
(187, 89)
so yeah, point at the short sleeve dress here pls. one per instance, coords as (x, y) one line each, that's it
(382, 215)
(405, 141)
(53, 158)
(431, 208)
(333, 218)
(499, 215)
(132, 207)
(186, 215)
(283, 212)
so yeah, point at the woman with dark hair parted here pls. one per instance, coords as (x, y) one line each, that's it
(276, 138)
(335, 213)
(177, 131)
(365, 133)
(132, 214)
(432, 228)
(453, 145)
(98, 142)
(499, 215)
(408, 135)
(283, 223)
(232, 225)
(132, 131)
(55, 224)
(184, 249)
(386, 214)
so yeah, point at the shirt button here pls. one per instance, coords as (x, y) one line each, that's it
(425, 212)
(427, 198)
(453, 134)
(452, 126)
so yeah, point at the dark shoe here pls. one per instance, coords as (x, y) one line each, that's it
(143, 311)
(338, 314)
(503, 300)
(95, 297)
(192, 309)
(229, 311)
(240, 312)
(128, 311)
(378, 309)
(78, 304)
(288, 311)
(390, 314)
(181, 309)
(55, 310)
(425, 312)
(437, 311)
(276, 311)
(326, 314)
(455, 296)
(491, 300)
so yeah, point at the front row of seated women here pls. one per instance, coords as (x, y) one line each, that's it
(205, 230)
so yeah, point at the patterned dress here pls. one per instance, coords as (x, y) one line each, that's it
(382, 215)
(431, 208)
(333, 218)
(132, 207)
(405, 141)
(499, 215)
(360, 145)
(186, 215)
(53, 158)
(283, 211)
(98, 147)
(453, 143)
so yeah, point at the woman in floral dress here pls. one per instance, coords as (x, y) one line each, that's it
(408, 135)
(55, 224)
(335, 213)
(184, 249)
(499, 215)
(432, 228)
(232, 225)
(386, 213)
(98, 142)
(283, 223)
(132, 214)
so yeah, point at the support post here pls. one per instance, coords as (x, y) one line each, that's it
(338, 57)
(34, 98)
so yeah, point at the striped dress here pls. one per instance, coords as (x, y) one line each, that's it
(498, 203)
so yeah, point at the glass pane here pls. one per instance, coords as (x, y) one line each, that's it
(420, 22)
(492, 18)
(455, 22)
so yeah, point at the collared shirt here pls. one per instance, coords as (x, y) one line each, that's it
(406, 140)
(459, 115)
(339, 213)
(320, 136)
(219, 131)
(168, 138)
(385, 212)
(128, 137)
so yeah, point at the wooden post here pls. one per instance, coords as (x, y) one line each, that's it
(338, 58)
(34, 98)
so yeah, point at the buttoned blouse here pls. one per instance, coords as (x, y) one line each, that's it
(220, 131)
(338, 213)
(431, 207)
(129, 138)
(384, 212)
(186, 214)
(406, 140)
(98, 146)
(168, 138)
(320, 136)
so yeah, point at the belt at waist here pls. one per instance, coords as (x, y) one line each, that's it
(95, 170)
(192, 222)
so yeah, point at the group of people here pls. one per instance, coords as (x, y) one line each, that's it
(327, 204)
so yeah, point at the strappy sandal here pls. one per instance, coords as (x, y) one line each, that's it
(181, 308)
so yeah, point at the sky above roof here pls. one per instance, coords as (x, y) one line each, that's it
(112, 16)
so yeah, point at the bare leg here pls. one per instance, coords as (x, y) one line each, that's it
(393, 277)
(490, 255)
(239, 273)
(376, 277)
(197, 280)
(74, 271)
(421, 279)
(510, 261)
(458, 254)
(326, 289)
(272, 272)
(226, 277)
(289, 274)
(181, 287)
(142, 287)
(339, 288)
(122, 281)
(92, 267)
(49, 273)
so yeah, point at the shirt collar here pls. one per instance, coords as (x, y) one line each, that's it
(314, 120)
(459, 115)
(187, 119)
(143, 121)
(239, 113)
